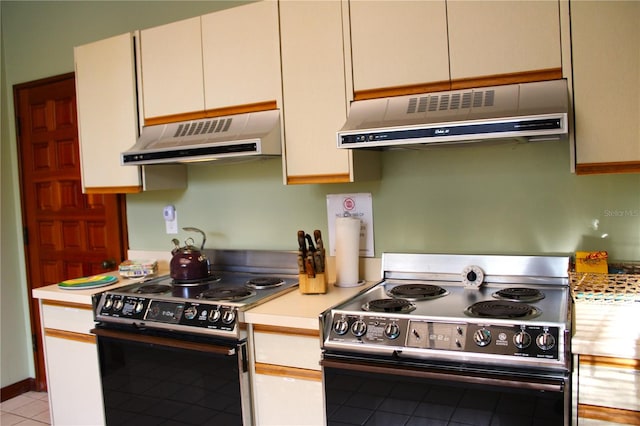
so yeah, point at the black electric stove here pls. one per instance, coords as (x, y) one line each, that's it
(215, 306)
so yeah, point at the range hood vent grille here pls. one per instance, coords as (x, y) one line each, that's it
(455, 101)
(526, 111)
(203, 127)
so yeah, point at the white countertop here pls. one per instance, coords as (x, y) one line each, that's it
(607, 329)
(298, 310)
(53, 292)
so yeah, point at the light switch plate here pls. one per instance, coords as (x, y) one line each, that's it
(170, 219)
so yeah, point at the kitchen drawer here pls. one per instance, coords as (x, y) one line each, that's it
(67, 316)
(287, 346)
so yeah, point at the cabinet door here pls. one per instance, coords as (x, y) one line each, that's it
(313, 78)
(71, 357)
(73, 380)
(172, 77)
(107, 114)
(500, 37)
(288, 401)
(606, 83)
(241, 55)
(398, 43)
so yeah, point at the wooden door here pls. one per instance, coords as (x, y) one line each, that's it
(67, 233)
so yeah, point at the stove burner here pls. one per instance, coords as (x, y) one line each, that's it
(417, 291)
(264, 282)
(519, 294)
(195, 283)
(153, 289)
(502, 309)
(389, 305)
(226, 293)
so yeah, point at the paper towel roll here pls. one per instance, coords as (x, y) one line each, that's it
(347, 251)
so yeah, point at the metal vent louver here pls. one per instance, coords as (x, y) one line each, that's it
(203, 127)
(444, 102)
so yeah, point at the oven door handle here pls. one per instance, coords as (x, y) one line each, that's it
(164, 341)
(485, 378)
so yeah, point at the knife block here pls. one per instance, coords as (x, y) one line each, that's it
(315, 285)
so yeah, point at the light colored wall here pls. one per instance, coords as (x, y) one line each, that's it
(475, 199)
(37, 42)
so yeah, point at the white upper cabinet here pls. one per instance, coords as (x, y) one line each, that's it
(107, 115)
(108, 120)
(314, 98)
(605, 38)
(172, 75)
(241, 55)
(442, 44)
(223, 59)
(499, 37)
(397, 43)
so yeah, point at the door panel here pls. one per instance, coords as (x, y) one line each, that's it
(68, 234)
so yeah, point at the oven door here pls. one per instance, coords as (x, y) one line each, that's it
(361, 391)
(151, 378)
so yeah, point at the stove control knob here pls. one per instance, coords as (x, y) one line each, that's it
(118, 304)
(341, 326)
(214, 315)
(228, 317)
(545, 341)
(108, 303)
(482, 337)
(359, 328)
(392, 331)
(139, 306)
(191, 312)
(522, 340)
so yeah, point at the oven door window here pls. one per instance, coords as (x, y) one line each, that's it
(151, 384)
(375, 398)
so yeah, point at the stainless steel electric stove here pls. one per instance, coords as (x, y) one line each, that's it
(492, 332)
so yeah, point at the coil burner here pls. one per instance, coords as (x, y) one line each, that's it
(233, 294)
(417, 291)
(519, 294)
(389, 305)
(502, 309)
(264, 282)
(153, 289)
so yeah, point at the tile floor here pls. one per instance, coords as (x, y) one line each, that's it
(28, 409)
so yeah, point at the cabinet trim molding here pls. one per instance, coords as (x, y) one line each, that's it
(290, 331)
(70, 335)
(291, 372)
(113, 189)
(605, 361)
(302, 179)
(67, 304)
(413, 89)
(509, 78)
(616, 415)
(212, 113)
(614, 167)
(463, 83)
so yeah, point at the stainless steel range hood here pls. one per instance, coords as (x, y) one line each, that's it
(528, 111)
(231, 138)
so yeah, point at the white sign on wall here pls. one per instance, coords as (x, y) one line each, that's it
(354, 205)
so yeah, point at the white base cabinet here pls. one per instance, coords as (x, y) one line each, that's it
(288, 401)
(73, 370)
(608, 390)
(287, 380)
